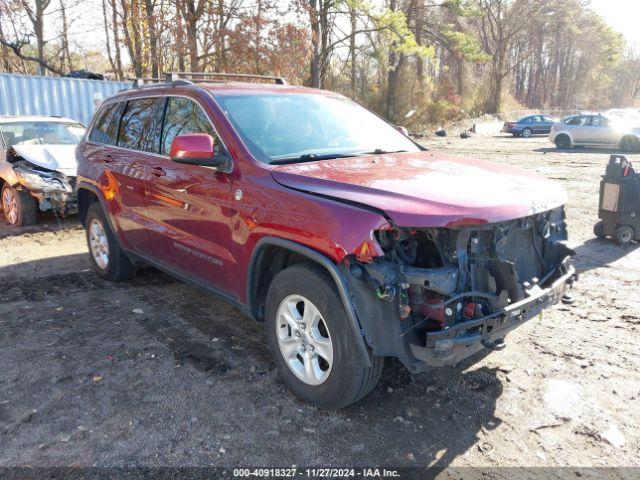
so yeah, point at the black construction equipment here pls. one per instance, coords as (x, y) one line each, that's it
(619, 208)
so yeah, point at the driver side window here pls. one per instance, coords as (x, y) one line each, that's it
(184, 116)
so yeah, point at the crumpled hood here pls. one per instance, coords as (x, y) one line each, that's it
(61, 158)
(427, 189)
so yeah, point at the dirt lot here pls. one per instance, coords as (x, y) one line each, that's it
(86, 381)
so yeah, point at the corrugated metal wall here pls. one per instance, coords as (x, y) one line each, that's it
(70, 97)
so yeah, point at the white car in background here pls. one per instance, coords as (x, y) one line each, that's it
(596, 130)
(38, 166)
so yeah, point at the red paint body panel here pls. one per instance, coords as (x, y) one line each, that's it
(427, 189)
(190, 218)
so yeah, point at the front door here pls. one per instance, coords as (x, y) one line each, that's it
(191, 206)
(579, 129)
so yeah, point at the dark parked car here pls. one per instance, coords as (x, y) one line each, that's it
(308, 212)
(530, 125)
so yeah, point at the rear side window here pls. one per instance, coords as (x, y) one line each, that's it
(139, 129)
(577, 121)
(105, 128)
(183, 116)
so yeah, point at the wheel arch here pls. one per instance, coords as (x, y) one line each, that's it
(635, 138)
(86, 197)
(566, 134)
(90, 194)
(272, 255)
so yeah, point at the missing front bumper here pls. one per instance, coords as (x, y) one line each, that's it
(64, 203)
(450, 346)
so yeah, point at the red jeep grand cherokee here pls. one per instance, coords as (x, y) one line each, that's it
(310, 213)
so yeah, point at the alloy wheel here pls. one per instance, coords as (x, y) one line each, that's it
(10, 205)
(98, 243)
(304, 339)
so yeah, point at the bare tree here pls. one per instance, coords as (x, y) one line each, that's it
(501, 22)
(152, 33)
(64, 35)
(5, 49)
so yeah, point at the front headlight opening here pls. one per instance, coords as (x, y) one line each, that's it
(40, 181)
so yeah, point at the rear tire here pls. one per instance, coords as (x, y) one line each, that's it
(331, 384)
(624, 234)
(19, 208)
(598, 229)
(108, 259)
(563, 142)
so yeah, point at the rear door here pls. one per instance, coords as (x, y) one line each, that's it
(536, 123)
(135, 137)
(191, 207)
(119, 177)
(603, 132)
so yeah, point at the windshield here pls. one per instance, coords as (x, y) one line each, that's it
(311, 126)
(41, 133)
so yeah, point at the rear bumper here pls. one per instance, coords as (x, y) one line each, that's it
(450, 346)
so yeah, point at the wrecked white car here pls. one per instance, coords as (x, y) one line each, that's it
(38, 166)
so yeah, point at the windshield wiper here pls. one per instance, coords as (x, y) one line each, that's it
(380, 151)
(310, 157)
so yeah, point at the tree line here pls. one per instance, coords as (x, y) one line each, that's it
(414, 61)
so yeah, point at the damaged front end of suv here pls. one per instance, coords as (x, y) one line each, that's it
(435, 296)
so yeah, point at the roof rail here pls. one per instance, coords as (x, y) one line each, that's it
(219, 77)
(178, 78)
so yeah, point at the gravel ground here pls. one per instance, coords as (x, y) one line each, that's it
(152, 372)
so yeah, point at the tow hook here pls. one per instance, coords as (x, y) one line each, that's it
(499, 344)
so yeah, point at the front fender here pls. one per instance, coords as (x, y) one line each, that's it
(336, 274)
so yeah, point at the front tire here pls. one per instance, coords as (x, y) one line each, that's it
(629, 143)
(19, 208)
(311, 341)
(527, 132)
(108, 259)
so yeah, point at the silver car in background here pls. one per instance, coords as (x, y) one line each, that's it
(38, 166)
(596, 130)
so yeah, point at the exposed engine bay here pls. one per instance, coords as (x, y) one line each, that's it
(54, 190)
(439, 278)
